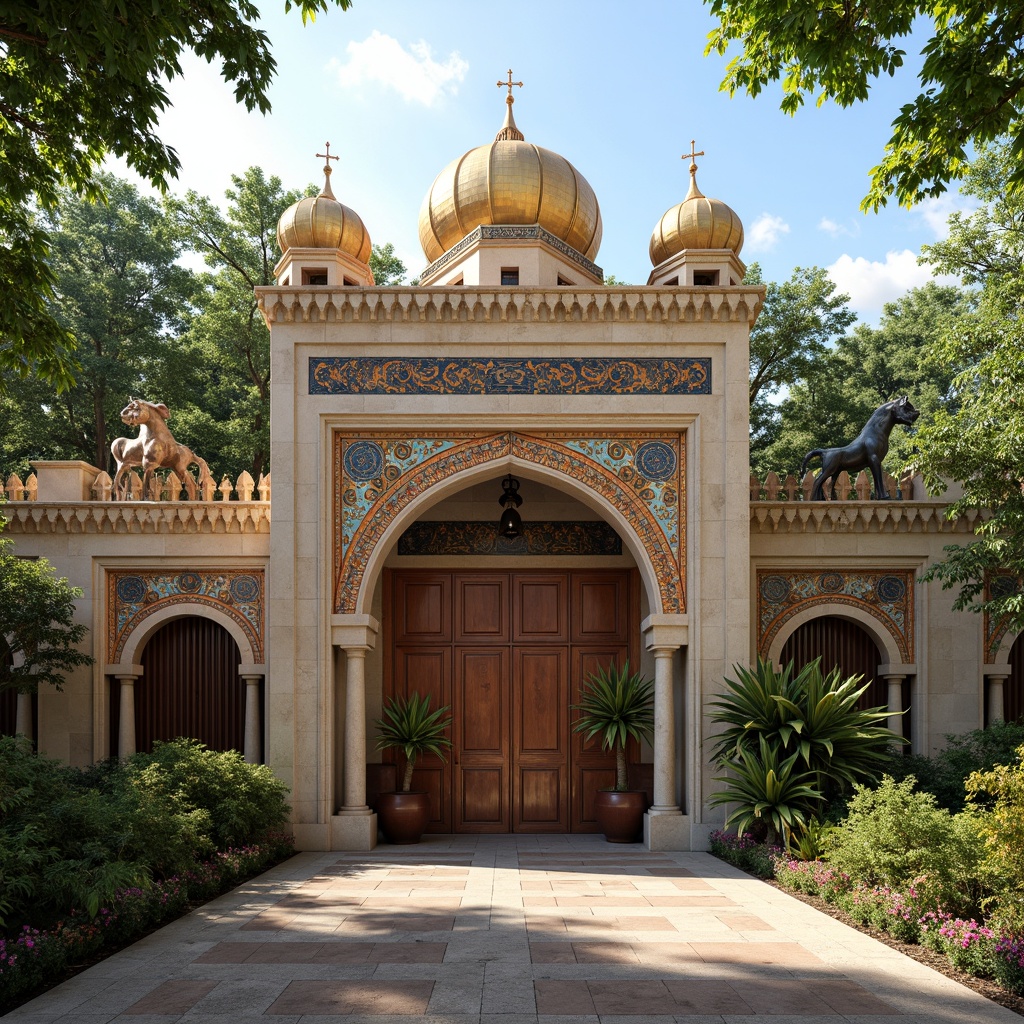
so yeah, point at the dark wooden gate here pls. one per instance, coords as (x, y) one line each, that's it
(506, 651)
(843, 644)
(1013, 688)
(189, 687)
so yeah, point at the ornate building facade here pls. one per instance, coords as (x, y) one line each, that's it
(277, 620)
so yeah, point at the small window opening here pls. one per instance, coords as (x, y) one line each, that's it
(314, 275)
(510, 275)
(705, 277)
(672, 283)
(457, 283)
(564, 282)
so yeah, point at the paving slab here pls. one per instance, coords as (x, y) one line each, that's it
(509, 929)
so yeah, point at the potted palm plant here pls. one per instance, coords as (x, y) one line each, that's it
(409, 725)
(617, 705)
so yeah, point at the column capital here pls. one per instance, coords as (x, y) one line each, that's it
(123, 671)
(252, 671)
(895, 668)
(666, 631)
(997, 671)
(354, 631)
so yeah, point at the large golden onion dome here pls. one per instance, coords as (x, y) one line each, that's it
(321, 222)
(510, 181)
(696, 223)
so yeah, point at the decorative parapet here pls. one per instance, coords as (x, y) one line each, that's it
(135, 517)
(163, 487)
(522, 305)
(773, 488)
(858, 517)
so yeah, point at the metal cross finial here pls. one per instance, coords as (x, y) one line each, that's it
(327, 156)
(693, 154)
(509, 85)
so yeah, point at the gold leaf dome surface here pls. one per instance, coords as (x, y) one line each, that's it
(510, 181)
(696, 223)
(321, 222)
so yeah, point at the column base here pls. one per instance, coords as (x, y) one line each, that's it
(353, 830)
(666, 830)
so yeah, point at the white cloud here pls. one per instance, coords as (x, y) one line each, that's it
(835, 229)
(871, 283)
(380, 60)
(935, 211)
(765, 232)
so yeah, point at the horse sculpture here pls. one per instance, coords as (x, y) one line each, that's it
(866, 452)
(154, 448)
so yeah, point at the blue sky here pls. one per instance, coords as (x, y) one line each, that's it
(401, 88)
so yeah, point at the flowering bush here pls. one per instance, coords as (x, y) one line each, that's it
(745, 852)
(1008, 963)
(969, 946)
(33, 957)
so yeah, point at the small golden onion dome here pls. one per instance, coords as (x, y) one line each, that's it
(510, 181)
(696, 223)
(321, 222)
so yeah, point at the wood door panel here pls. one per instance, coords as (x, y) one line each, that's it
(600, 608)
(589, 781)
(540, 610)
(540, 800)
(423, 608)
(481, 799)
(481, 609)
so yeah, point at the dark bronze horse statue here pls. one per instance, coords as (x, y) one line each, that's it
(866, 452)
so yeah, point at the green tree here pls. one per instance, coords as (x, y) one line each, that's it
(387, 268)
(39, 637)
(971, 79)
(798, 321)
(81, 81)
(222, 394)
(979, 439)
(843, 385)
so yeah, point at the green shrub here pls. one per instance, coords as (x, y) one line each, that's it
(1002, 828)
(944, 774)
(896, 837)
(745, 852)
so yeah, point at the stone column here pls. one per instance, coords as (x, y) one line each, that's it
(996, 681)
(251, 743)
(126, 717)
(23, 716)
(664, 733)
(355, 731)
(895, 722)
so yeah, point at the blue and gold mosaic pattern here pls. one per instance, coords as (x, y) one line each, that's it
(885, 594)
(608, 463)
(430, 375)
(538, 538)
(134, 595)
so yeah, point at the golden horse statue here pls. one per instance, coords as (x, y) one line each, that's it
(154, 448)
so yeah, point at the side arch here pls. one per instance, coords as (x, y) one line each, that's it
(147, 626)
(878, 632)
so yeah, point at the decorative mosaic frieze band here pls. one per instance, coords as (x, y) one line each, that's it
(537, 538)
(489, 305)
(407, 375)
(1002, 584)
(885, 594)
(513, 232)
(133, 595)
(641, 475)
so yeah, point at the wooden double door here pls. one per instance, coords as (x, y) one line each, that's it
(506, 651)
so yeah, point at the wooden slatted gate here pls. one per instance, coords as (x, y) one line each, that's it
(1013, 688)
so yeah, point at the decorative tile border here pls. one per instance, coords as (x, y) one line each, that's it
(537, 538)
(642, 475)
(1000, 584)
(885, 594)
(486, 375)
(133, 595)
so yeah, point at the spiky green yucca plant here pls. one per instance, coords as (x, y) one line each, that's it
(411, 726)
(803, 717)
(616, 705)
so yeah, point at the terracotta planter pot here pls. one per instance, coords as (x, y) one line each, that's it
(620, 816)
(403, 816)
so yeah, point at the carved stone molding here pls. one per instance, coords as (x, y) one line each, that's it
(136, 517)
(489, 305)
(857, 517)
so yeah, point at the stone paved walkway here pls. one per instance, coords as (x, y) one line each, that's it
(508, 930)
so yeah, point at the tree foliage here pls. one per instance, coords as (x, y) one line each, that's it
(387, 268)
(39, 638)
(979, 439)
(81, 81)
(971, 78)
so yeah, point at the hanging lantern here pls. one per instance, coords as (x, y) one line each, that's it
(510, 524)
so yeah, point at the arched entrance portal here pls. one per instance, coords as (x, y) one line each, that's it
(1013, 693)
(844, 644)
(190, 686)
